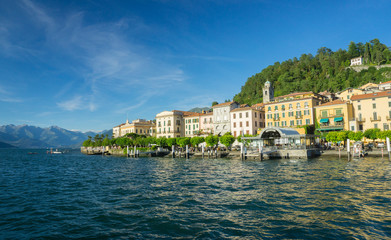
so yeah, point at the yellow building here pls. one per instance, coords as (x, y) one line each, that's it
(292, 110)
(372, 110)
(334, 116)
(192, 124)
(171, 124)
(347, 93)
(139, 126)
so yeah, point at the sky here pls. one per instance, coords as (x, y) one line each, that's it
(92, 64)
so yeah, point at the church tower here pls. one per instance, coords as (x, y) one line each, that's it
(268, 92)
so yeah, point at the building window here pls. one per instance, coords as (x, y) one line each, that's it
(375, 125)
(256, 124)
(247, 124)
(306, 104)
(307, 121)
(338, 111)
(292, 123)
(240, 124)
(234, 124)
(374, 105)
(283, 114)
(234, 133)
(246, 114)
(389, 104)
(248, 132)
(297, 105)
(255, 114)
(276, 108)
(374, 116)
(359, 107)
(269, 109)
(290, 106)
(352, 128)
(234, 115)
(240, 115)
(324, 113)
(385, 126)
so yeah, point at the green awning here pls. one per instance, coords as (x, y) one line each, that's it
(330, 129)
(324, 120)
(338, 119)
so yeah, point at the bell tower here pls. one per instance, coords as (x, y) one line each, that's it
(268, 92)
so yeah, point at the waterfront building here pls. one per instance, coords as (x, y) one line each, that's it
(206, 123)
(334, 116)
(293, 110)
(356, 61)
(171, 124)
(138, 126)
(372, 110)
(368, 87)
(221, 117)
(192, 124)
(246, 120)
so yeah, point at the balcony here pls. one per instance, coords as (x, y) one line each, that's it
(299, 116)
(331, 116)
(375, 119)
(276, 119)
(361, 120)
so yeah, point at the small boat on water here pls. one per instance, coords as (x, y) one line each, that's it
(54, 152)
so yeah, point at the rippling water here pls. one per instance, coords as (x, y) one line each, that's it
(77, 196)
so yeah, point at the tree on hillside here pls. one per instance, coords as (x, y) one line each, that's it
(327, 70)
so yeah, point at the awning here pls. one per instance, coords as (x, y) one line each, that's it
(329, 129)
(324, 120)
(338, 119)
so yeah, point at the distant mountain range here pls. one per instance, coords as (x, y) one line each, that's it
(199, 110)
(25, 136)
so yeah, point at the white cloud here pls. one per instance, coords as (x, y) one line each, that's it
(7, 96)
(104, 56)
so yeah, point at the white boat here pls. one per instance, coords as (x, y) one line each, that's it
(57, 152)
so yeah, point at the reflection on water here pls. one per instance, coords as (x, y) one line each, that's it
(76, 196)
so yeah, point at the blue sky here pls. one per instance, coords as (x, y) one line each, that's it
(88, 65)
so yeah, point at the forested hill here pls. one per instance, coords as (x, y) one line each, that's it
(327, 70)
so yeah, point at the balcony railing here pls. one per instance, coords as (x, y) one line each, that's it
(299, 116)
(331, 116)
(375, 119)
(361, 120)
(334, 126)
(276, 119)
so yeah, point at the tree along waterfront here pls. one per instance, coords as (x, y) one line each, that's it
(144, 143)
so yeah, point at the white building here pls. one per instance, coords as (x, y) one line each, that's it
(222, 118)
(356, 61)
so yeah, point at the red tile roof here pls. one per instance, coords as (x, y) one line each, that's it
(371, 95)
(335, 102)
(295, 94)
(224, 104)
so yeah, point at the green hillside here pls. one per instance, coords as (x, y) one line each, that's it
(327, 70)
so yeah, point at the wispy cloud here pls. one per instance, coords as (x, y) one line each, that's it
(77, 103)
(8, 96)
(104, 56)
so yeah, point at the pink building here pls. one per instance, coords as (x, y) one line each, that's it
(247, 120)
(206, 123)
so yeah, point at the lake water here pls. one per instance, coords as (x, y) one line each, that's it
(101, 197)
